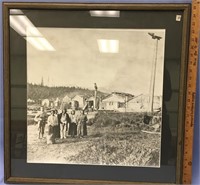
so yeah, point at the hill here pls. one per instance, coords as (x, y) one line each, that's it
(36, 92)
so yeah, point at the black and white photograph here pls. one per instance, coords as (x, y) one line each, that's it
(94, 96)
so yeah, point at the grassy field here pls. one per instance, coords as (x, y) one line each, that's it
(113, 139)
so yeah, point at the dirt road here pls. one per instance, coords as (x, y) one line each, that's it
(123, 147)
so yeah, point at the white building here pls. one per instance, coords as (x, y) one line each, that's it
(141, 103)
(116, 101)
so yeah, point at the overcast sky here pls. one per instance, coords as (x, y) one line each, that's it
(77, 60)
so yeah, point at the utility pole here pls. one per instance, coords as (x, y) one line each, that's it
(42, 82)
(126, 101)
(95, 96)
(152, 83)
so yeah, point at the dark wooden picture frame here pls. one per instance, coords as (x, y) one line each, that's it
(10, 125)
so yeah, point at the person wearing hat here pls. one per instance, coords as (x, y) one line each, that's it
(52, 121)
(41, 118)
(73, 124)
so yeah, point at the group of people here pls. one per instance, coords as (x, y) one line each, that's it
(61, 125)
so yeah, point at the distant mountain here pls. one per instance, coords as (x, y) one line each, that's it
(36, 92)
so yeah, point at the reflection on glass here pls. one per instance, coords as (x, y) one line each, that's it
(108, 46)
(15, 12)
(104, 13)
(22, 25)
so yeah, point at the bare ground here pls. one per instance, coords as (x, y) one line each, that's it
(103, 146)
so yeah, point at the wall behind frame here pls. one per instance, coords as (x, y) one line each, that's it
(196, 178)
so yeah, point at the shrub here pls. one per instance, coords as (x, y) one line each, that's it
(108, 118)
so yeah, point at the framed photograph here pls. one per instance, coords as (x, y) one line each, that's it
(95, 93)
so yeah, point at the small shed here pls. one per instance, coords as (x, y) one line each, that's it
(78, 101)
(57, 103)
(66, 102)
(91, 102)
(46, 103)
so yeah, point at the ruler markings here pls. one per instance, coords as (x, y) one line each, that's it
(191, 91)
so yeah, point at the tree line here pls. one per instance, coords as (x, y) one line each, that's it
(36, 92)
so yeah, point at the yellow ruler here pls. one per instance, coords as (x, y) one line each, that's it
(191, 92)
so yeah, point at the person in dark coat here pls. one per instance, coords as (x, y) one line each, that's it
(73, 124)
(41, 119)
(82, 124)
(64, 120)
(57, 127)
